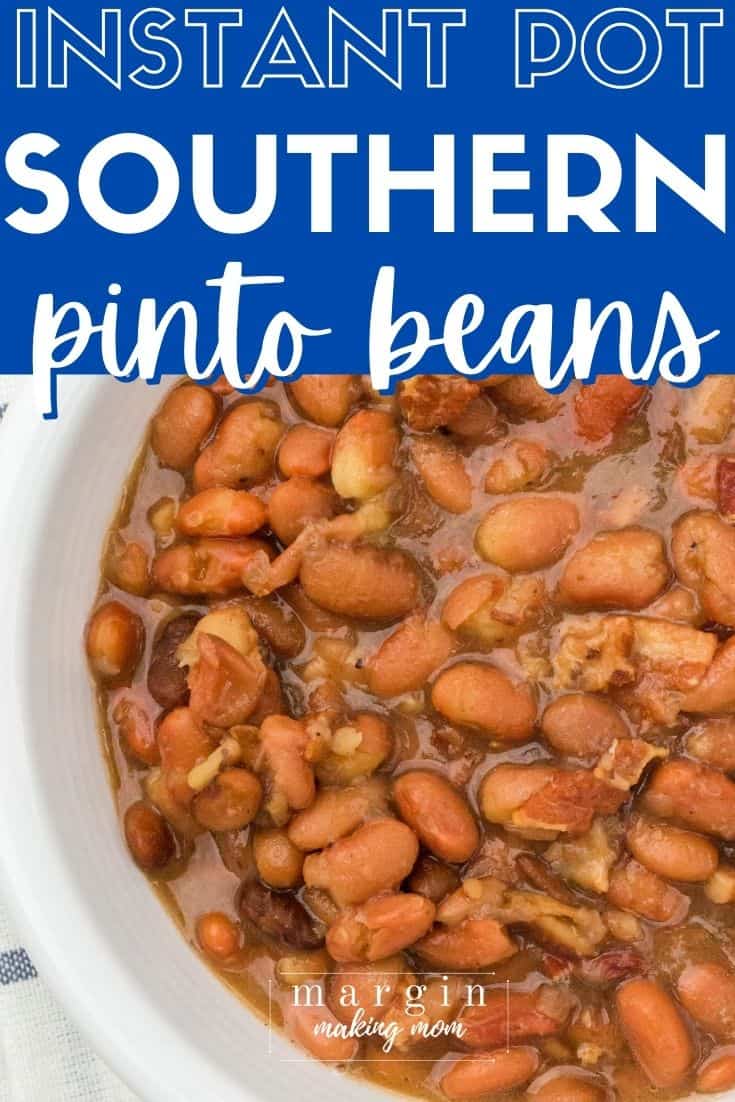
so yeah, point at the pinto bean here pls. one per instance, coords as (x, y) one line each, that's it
(278, 916)
(572, 1087)
(363, 461)
(277, 859)
(307, 1026)
(375, 745)
(623, 569)
(148, 836)
(443, 473)
(521, 464)
(298, 502)
(487, 1073)
(218, 936)
(527, 533)
(526, 400)
(167, 682)
(507, 1016)
(325, 399)
(713, 743)
(480, 696)
(438, 814)
(283, 741)
(371, 985)
(710, 409)
(716, 691)
(243, 448)
(335, 813)
(375, 858)
(135, 730)
(126, 565)
(305, 452)
(703, 550)
(492, 610)
(670, 852)
(405, 661)
(382, 926)
(655, 1032)
(230, 802)
(581, 725)
(602, 407)
(694, 795)
(473, 944)
(362, 582)
(183, 743)
(221, 512)
(708, 994)
(182, 424)
(225, 686)
(508, 787)
(717, 1073)
(205, 566)
(114, 642)
(637, 889)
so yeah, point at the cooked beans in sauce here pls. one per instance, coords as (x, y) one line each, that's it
(430, 699)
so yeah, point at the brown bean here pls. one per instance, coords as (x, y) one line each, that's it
(276, 624)
(115, 638)
(225, 686)
(671, 852)
(298, 502)
(277, 859)
(230, 802)
(375, 746)
(278, 916)
(473, 944)
(182, 424)
(708, 994)
(284, 741)
(136, 731)
(603, 406)
(221, 512)
(126, 565)
(655, 1032)
(481, 696)
(218, 935)
(695, 795)
(637, 889)
(167, 682)
(433, 878)
(362, 582)
(382, 926)
(375, 858)
(206, 566)
(443, 473)
(581, 725)
(572, 1087)
(703, 550)
(438, 814)
(325, 399)
(335, 813)
(243, 448)
(506, 788)
(405, 661)
(364, 455)
(183, 743)
(486, 1073)
(713, 743)
(527, 533)
(717, 1073)
(624, 569)
(148, 836)
(305, 452)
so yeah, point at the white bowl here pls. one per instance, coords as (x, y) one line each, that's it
(94, 928)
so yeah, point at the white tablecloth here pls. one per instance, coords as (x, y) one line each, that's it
(42, 1057)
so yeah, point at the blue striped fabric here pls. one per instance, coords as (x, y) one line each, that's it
(16, 965)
